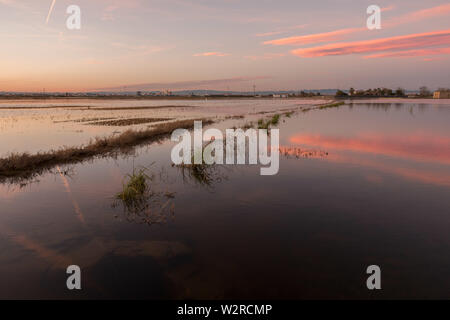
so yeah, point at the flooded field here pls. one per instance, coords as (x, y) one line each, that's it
(363, 183)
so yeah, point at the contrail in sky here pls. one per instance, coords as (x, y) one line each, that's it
(50, 10)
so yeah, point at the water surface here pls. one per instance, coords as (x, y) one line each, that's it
(366, 183)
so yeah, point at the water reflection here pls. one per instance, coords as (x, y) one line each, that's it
(418, 146)
(205, 175)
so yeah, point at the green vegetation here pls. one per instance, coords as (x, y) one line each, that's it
(379, 92)
(332, 105)
(135, 188)
(262, 124)
(142, 203)
(275, 119)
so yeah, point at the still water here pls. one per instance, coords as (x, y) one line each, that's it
(366, 183)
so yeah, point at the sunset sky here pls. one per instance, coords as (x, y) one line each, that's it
(223, 44)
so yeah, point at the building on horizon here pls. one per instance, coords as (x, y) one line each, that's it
(442, 94)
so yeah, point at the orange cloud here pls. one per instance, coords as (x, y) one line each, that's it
(314, 38)
(440, 10)
(210, 54)
(412, 41)
(418, 147)
(411, 53)
(337, 35)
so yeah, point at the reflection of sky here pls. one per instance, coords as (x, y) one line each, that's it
(411, 143)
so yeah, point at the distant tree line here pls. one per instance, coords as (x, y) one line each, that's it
(307, 94)
(382, 92)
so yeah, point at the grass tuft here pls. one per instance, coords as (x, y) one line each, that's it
(135, 188)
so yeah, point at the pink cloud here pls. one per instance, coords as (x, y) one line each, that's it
(411, 53)
(340, 34)
(412, 41)
(314, 38)
(211, 54)
(440, 10)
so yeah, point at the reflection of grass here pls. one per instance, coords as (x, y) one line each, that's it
(202, 174)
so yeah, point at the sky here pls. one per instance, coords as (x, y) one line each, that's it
(223, 45)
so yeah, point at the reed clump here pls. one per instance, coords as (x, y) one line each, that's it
(134, 188)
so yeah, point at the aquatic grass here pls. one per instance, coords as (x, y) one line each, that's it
(275, 119)
(332, 105)
(135, 188)
(263, 124)
(141, 201)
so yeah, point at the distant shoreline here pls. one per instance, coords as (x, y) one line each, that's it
(121, 97)
(211, 97)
